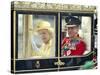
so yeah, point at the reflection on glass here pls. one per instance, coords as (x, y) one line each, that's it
(20, 34)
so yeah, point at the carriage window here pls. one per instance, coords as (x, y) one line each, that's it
(36, 37)
(75, 35)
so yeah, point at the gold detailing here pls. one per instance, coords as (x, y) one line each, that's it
(14, 41)
(35, 6)
(59, 63)
(37, 64)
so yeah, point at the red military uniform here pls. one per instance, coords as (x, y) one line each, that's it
(72, 47)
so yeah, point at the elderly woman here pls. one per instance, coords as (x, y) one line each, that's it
(45, 31)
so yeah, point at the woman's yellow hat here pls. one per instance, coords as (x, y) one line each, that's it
(43, 25)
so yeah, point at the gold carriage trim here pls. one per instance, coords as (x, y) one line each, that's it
(39, 6)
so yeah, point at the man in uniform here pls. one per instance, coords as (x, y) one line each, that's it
(74, 44)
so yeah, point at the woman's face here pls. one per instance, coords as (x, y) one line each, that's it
(44, 34)
(73, 31)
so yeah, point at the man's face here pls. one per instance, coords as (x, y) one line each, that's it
(44, 34)
(73, 31)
